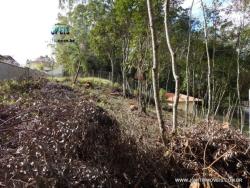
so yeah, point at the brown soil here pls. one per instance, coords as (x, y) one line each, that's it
(57, 136)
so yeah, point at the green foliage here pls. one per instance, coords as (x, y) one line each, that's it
(10, 89)
(116, 86)
(96, 81)
(163, 98)
(162, 94)
(102, 27)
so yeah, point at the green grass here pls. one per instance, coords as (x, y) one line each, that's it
(11, 90)
(94, 80)
(59, 79)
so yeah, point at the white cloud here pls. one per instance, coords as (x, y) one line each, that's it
(25, 27)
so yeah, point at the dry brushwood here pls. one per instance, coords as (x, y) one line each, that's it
(55, 137)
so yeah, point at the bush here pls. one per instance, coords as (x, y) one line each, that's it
(116, 86)
(162, 95)
(163, 98)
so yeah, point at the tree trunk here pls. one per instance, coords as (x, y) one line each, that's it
(187, 64)
(77, 72)
(238, 81)
(141, 98)
(125, 59)
(219, 102)
(155, 79)
(167, 79)
(112, 69)
(123, 81)
(193, 93)
(208, 64)
(174, 67)
(213, 105)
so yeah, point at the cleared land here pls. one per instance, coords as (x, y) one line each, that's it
(52, 134)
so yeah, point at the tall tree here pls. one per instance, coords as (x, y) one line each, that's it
(239, 48)
(155, 68)
(208, 62)
(187, 62)
(174, 66)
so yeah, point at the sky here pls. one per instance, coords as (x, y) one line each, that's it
(25, 28)
(196, 11)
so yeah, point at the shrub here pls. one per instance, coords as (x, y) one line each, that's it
(163, 98)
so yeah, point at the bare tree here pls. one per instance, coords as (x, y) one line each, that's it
(77, 72)
(187, 63)
(112, 67)
(125, 56)
(238, 78)
(243, 4)
(213, 92)
(155, 79)
(208, 62)
(174, 66)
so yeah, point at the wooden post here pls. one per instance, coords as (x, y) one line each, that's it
(249, 111)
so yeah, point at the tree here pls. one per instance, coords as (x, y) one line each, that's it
(208, 62)
(116, 38)
(238, 50)
(103, 42)
(187, 63)
(174, 66)
(155, 79)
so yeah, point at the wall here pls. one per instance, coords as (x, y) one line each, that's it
(8, 72)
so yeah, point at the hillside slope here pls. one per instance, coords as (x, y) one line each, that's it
(53, 135)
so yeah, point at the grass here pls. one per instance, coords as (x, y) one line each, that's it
(94, 80)
(11, 90)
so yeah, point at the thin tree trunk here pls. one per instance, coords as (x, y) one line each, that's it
(208, 64)
(140, 97)
(77, 72)
(193, 93)
(213, 104)
(174, 67)
(112, 72)
(155, 79)
(167, 80)
(125, 58)
(238, 81)
(123, 81)
(187, 64)
(220, 97)
(112, 69)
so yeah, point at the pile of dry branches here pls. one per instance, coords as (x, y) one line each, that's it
(212, 152)
(54, 137)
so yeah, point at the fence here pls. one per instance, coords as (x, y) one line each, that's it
(9, 72)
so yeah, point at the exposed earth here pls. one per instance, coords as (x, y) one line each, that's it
(54, 135)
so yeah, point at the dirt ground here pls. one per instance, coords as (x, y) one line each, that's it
(54, 135)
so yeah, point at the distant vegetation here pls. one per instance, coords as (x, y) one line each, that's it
(206, 57)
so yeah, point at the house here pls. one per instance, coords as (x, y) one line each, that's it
(42, 63)
(182, 101)
(9, 60)
(47, 65)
